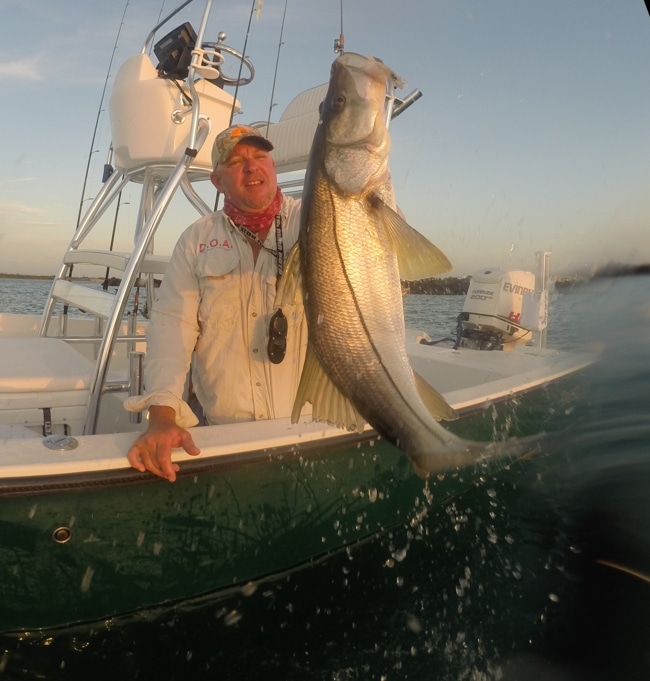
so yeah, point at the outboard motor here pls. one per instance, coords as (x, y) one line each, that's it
(492, 313)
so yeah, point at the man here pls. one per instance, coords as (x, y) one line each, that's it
(216, 302)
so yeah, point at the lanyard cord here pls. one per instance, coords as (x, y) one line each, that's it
(278, 242)
(279, 253)
(278, 325)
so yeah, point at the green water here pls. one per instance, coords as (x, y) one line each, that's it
(535, 572)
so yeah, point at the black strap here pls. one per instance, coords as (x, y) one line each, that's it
(279, 253)
(47, 421)
(278, 242)
(277, 343)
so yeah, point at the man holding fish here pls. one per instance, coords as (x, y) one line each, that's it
(215, 302)
(352, 248)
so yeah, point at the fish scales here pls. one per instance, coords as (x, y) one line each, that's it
(353, 344)
(352, 251)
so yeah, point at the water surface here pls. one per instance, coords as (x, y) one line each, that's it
(539, 571)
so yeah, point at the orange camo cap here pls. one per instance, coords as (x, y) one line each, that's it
(229, 138)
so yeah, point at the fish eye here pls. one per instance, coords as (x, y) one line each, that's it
(338, 102)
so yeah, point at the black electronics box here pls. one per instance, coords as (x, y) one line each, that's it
(171, 47)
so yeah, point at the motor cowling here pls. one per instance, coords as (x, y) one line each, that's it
(491, 316)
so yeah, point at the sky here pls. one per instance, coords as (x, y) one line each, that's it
(532, 133)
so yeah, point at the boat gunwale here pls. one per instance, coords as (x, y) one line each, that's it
(81, 480)
(102, 457)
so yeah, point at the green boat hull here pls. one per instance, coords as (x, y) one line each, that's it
(86, 547)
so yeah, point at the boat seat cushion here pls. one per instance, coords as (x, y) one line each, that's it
(11, 431)
(42, 365)
(44, 385)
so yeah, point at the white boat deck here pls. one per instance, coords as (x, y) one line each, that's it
(470, 380)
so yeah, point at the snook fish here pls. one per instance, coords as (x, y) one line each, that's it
(353, 247)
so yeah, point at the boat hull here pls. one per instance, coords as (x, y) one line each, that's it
(83, 546)
(88, 547)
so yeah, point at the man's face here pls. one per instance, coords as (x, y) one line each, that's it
(247, 179)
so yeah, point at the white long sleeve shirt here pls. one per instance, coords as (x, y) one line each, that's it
(214, 306)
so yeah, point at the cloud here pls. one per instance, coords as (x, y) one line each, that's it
(28, 68)
(13, 213)
(16, 180)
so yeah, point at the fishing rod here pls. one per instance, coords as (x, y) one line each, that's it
(99, 113)
(275, 73)
(339, 43)
(255, 6)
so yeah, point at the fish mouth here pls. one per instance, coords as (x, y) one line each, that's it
(356, 102)
(370, 67)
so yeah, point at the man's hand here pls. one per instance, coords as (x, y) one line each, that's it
(152, 451)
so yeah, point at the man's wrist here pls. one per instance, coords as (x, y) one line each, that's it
(161, 415)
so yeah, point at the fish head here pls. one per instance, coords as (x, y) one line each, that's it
(355, 139)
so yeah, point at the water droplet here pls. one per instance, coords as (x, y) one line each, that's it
(232, 618)
(399, 555)
(249, 589)
(87, 578)
(413, 623)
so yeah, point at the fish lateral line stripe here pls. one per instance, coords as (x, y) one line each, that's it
(375, 350)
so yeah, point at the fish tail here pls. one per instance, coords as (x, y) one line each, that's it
(462, 453)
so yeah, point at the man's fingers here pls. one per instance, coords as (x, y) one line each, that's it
(157, 462)
(135, 459)
(188, 444)
(152, 451)
(165, 466)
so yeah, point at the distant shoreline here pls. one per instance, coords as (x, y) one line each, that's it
(45, 277)
(435, 285)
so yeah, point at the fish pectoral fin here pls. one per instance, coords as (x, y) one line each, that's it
(289, 290)
(328, 402)
(417, 257)
(436, 404)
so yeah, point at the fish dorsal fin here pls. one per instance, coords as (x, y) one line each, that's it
(436, 404)
(417, 257)
(328, 403)
(289, 291)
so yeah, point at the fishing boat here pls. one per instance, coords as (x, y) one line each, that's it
(84, 536)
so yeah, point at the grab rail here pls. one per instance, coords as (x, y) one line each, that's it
(130, 275)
